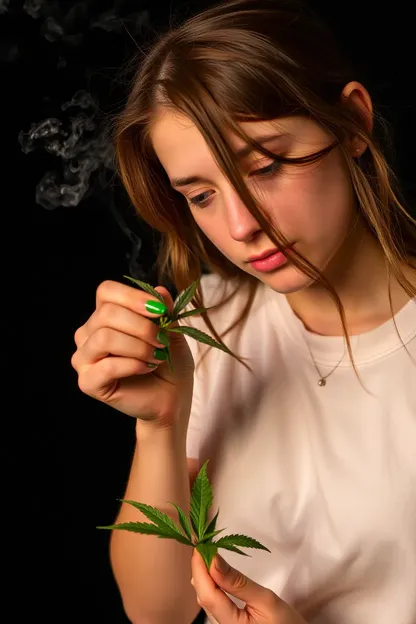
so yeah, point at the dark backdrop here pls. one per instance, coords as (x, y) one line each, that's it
(60, 65)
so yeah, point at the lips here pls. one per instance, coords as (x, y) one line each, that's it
(262, 256)
(267, 253)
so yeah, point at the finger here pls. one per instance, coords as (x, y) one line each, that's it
(106, 341)
(125, 321)
(95, 381)
(211, 598)
(237, 584)
(209, 614)
(127, 297)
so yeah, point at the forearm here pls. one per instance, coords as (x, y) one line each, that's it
(153, 575)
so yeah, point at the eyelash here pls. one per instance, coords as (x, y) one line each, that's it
(266, 172)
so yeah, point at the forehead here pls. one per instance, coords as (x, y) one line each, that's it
(184, 153)
(173, 135)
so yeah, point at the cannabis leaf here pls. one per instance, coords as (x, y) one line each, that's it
(192, 312)
(162, 520)
(184, 522)
(148, 529)
(166, 321)
(198, 335)
(207, 550)
(213, 523)
(208, 536)
(185, 298)
(239, 540)
(146, 287)
(163, 525)
(201, 500)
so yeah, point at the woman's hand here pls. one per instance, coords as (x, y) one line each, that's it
(114, 348)
(262, 605)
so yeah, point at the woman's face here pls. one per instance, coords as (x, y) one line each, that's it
(311, 205)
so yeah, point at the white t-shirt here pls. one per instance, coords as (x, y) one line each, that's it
(324, 477)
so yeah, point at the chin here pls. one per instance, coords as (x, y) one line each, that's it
(286, 280)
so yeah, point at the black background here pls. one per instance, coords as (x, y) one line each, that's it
(77, 451)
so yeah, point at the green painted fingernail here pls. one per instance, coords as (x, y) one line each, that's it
(160, 354)
(156, 307)
(163, 338)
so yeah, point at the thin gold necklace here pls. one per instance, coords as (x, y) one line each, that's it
(323, 378)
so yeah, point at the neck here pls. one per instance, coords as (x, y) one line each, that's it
(360, 277)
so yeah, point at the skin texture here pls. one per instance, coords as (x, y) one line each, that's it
(262, 605)
(312, 205)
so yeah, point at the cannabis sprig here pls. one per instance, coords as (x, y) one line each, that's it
(165, 321)
(194, 530)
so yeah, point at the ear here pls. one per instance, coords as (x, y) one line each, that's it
(356, 96)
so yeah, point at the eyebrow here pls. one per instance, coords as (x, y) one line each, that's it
(242, 153)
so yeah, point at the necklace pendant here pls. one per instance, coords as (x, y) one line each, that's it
(322, 382)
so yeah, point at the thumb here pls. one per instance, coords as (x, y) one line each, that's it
(237, 584)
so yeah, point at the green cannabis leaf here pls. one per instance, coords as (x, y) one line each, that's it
(196, 531)
(199, 335)
(192, 312)
(185, 298)
(184, 522)
(201, 501)
(163, 525)
(148, 529)
(239, 540)
(165, 321)
(146, 287)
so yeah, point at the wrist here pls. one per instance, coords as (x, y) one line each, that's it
(165, 435)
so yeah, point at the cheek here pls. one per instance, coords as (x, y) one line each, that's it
(210, 228)
(217, 233)
(317, 199)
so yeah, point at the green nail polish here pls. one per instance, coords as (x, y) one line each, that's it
(163, 338)
(156, 307)
(160, 354)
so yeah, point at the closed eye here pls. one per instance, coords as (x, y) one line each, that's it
(265, 172)
(269, 170)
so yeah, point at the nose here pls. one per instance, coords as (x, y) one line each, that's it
(241, 223)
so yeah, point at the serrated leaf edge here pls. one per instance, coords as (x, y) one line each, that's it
(184, 521)
(146, 287)
(185, 298)
(199, 511)
(199, 335)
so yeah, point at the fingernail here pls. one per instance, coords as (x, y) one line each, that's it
(192, 582)
(155, 307)
(163, 338)
(221, 565)
(160, 354)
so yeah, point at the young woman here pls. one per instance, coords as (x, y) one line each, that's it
(246, 133)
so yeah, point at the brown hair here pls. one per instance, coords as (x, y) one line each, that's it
(245, 60)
